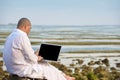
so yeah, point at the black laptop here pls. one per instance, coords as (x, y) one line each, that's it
(49, 51)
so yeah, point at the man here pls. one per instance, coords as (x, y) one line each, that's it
(21, 60)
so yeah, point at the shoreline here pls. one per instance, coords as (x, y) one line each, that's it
(89, 71)
(67, 58)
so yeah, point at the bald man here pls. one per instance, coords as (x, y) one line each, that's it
(21, 61)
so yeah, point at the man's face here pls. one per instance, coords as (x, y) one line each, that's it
(28, 28)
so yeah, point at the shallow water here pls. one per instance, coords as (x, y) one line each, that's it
(83, 42)
(72, 38)
(67, 58)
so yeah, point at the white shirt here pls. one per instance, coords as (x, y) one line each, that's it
(19, 56)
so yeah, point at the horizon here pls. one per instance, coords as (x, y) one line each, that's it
(63, 12)
(59, 25)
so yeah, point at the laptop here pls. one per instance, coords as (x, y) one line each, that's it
(49, 51)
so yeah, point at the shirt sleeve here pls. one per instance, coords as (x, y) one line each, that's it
(27, 50)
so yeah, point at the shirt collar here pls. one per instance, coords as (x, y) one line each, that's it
(18, 30)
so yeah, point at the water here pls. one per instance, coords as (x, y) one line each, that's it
(67, 59)
(83, 42)
(72, 38)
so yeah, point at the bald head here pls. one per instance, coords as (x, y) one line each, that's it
(24, 24)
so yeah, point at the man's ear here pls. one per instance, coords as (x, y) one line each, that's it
(25, 27)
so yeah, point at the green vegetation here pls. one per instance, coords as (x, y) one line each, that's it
(96, 51)
(1, 54)
(88, 72)
(81, 43)
(86, 43)
(81, 72)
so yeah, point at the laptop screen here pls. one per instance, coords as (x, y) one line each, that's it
(50, 51)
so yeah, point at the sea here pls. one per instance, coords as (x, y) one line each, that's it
(88, 42)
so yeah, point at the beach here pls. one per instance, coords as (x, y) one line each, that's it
(92, 40)
(87, 42)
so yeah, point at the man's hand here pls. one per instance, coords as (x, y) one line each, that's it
(40, 58)
(37, 52)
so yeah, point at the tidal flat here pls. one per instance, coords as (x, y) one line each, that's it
(81, 67)
(88, 52)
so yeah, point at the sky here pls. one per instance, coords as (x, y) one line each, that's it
(61, 12)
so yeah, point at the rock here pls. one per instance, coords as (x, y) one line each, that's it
(80, 61)
(1, 63)
(117, 64)
(91, 63)
(113, 68)
(1, 54)
(98, 62)
(106, 62)
(117, 79)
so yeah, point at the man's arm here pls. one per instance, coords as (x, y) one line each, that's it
(39, 57)
(28, 52)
